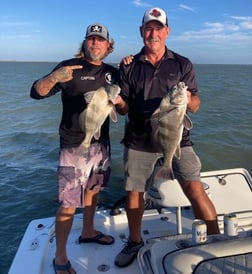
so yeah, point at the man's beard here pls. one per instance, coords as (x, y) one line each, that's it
(95, 57)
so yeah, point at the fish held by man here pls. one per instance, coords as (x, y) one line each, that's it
(100, 105)
(172, 119)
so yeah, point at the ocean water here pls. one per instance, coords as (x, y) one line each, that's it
(222, 136)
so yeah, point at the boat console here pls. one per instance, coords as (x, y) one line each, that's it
(231, 192)
(177, 254)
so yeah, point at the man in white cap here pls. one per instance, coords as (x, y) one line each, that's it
(144, 82)
(81, 173)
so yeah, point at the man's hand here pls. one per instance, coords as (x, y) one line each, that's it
(193, 102)
(127, 60)
(64, 74)
(121, 105)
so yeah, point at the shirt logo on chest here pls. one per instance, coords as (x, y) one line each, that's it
(90, 78)
(108, 78)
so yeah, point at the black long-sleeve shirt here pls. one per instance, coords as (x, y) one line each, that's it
(89, 78)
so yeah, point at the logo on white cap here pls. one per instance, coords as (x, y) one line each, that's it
(155, 14)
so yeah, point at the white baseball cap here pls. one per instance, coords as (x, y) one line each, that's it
(97, 29)
(156, 14)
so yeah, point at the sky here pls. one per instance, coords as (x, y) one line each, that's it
(206, 31)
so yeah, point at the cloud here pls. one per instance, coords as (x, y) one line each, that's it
(13, 23)
(12, 29)
(245, 22)
(185, 7)
(123, 36)
(15, 37)
(139, 3)
(235, 29)
(221, 27)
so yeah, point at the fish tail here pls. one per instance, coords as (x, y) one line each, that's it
(87, 141)
(85, 144)
(165, 173)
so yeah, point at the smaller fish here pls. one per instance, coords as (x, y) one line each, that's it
(172, 119)
(100, 105)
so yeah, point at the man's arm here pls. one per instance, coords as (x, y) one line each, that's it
(63, 74)
(121, 105)
(193, 102)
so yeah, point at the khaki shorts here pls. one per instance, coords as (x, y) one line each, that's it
(139, 167)
(80, 169)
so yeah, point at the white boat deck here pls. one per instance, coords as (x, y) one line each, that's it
(39, 242)
(230, 190)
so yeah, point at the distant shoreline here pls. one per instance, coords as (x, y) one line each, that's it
(115, 63)
(14, 61)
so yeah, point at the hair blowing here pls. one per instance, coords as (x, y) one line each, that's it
(81, 52)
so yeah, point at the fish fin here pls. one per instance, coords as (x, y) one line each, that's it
(88, 96)
(155, 114)
(82, 120)
(97, 134)
(164, 173)
(177, 153)
(187, 122)
(113, 115)
(163, 114)
(85, 146)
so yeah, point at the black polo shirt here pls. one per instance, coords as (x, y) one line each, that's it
(90, 77)
(143, 86)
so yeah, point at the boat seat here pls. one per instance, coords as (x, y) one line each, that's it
(176, 254)
(199, 259)
(168, 193)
